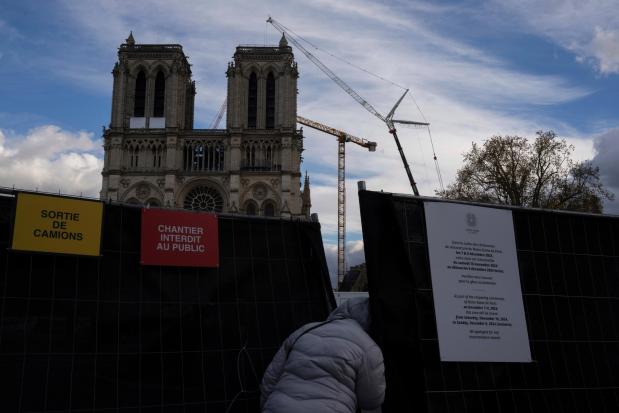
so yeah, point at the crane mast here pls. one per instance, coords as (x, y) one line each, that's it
(342, 138)
(388, 120)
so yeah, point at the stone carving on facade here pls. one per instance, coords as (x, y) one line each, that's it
(125, 182)
(244, 182)
(161, 182)
(259, 192)
(142, 191)
(274, 182)
(180, 180)
(230, 70)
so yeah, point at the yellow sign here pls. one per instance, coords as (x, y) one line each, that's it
(56, 224)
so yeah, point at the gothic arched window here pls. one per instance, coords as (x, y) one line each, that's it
(270, 103)
(251, 209)
(135, 155)
(203, 155)
(260, 155)
(252, 101)
(140, 95)
(152, 202)
(158, 109)
(269, 209)
(156, 152)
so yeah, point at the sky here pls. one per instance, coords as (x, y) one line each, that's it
(474, 69)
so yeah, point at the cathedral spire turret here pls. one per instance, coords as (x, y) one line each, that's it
(306, 198)
(130, 40)
(283, 42)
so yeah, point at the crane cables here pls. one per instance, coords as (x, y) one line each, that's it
(314, 46)
(341, 59)
(436, 165)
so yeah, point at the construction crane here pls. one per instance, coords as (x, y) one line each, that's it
(220, 114)
(342, 138)
(388, 120)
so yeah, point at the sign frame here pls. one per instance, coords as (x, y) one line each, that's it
(476, 283)
(148, 251)
(13, 222)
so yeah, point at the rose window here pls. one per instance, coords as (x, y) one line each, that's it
(204, 198)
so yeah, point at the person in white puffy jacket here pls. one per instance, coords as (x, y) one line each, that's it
(331, 366)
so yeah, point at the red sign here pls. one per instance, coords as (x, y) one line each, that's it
(179, 238)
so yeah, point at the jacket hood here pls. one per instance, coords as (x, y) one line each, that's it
(357, 309)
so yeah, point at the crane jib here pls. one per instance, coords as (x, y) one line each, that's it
(386, 119)
(327, 71)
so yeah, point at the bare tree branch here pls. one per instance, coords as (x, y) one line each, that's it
(510, 170)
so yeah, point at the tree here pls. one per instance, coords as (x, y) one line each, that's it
(511, 170)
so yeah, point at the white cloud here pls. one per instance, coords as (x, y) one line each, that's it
(354, 256)
(605, 48)
(607, 153)
(50, 159)
(588, 28)
(402, 47)
(465, 92)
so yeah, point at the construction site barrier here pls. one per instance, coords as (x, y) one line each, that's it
(106, 334)
(569, 273)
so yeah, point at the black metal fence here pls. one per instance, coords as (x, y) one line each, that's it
(106, 334)
(569, 271)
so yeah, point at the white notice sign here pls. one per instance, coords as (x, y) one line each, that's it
(476, 284)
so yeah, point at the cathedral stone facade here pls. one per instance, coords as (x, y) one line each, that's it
(154, 156)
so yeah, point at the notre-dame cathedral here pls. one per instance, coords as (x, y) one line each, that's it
(154, 156)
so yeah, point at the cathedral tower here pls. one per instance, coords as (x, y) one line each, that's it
(262, 88)
(152, 87)
(154, 156)
(262, 112)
